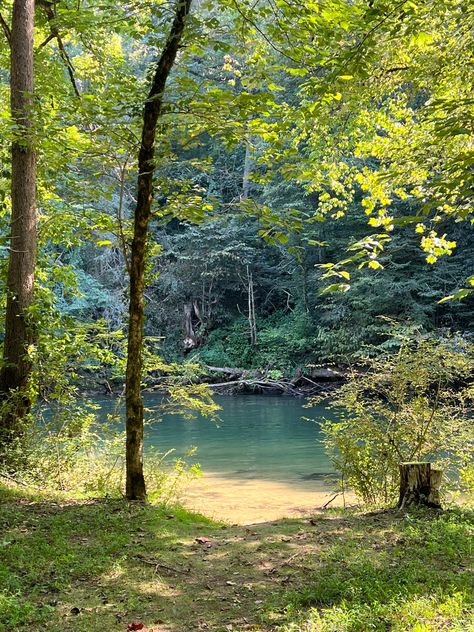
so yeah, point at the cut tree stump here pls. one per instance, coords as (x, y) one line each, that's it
(419, 485)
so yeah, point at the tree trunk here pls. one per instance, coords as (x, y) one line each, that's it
(419, 485)
(304, 284)
(247, 171)
(191, 312)
(16, 370)
(251, 305)
(135, 486)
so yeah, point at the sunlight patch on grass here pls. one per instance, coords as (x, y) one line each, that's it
(91, 566)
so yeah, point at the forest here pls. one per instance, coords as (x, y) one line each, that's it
(237, 281)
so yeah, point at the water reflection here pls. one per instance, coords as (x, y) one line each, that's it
(256, 438)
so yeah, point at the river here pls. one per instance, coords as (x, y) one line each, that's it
(262, 460)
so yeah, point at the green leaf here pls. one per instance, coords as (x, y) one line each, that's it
(457, 296)
(336, 287)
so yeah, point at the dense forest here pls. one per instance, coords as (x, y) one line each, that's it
(260, 195)
(269, 164)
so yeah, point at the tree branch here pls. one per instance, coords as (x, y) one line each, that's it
(262, 33)
(46, 41)
(6, 29)
(48, 8)
(123, 240)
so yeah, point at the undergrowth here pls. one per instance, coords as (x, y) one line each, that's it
(94, 565)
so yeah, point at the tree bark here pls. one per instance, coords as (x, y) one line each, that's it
(16, 369)
(191, 313)
(135, 486)
(419, 485)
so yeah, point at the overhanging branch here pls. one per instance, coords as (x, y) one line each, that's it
(6, 29)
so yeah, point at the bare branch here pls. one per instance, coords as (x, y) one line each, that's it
(262, 33)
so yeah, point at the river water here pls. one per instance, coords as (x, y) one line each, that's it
(262, 460)
(255, 437)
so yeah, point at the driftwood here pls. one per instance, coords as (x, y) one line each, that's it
(262, 384)
(332, 499)
(242, 379)
(237, 379)
(272, 385)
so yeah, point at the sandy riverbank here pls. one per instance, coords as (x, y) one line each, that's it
(248, 501)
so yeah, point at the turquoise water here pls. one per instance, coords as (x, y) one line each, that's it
(257, 437)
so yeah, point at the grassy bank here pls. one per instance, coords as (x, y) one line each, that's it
(104, 565)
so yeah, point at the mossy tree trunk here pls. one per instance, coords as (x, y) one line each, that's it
(419, 485)
(16, 369)
(135, 485)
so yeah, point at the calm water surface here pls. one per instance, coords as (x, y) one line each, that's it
(257, 437)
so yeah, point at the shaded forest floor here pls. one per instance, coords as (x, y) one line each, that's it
(104, 565)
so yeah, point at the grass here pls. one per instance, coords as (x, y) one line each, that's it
(101, 565)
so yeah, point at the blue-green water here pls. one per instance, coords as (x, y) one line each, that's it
(257, 437)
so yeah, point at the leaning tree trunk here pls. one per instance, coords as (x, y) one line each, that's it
(419, 485)
(16, 370)
(135, 486)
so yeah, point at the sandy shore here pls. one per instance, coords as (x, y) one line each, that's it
(248, 501)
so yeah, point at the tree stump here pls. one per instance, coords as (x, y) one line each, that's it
(419, 485)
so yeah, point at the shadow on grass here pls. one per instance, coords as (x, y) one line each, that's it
(101, 565)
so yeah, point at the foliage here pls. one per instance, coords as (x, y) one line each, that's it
(287, 129)
(72, 450)
(408, 406)
(341, 128)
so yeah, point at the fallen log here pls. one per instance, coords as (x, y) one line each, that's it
(275, 385)
(325, 373)
(251, 379)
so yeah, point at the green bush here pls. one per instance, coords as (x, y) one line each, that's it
(72, 450)
(412, 406)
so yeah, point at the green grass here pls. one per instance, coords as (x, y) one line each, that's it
(100, 565)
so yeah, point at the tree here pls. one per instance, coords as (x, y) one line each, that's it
(393, 109)
(16, 369)
(135, 486)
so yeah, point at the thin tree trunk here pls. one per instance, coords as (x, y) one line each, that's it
(251, 302)
(135, 486)
(304, 277)
(247, 171)
(122, 171)
(191, 339)
(16, 370)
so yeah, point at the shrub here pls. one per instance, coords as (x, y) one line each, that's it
(73, 449)
(412, 406)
